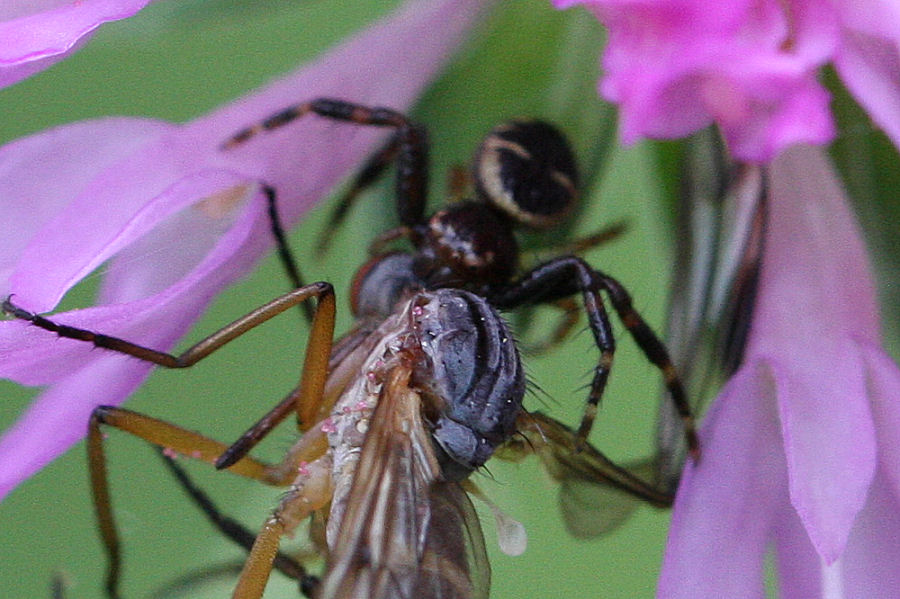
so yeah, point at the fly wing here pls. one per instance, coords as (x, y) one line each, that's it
(596, 495)
(455, 563)
(405, 533)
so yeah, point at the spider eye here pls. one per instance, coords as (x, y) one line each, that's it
(527, 170)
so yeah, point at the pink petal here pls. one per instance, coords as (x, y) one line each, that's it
(46, 429)
(798, 565)
(37, 35)
(759, 114)
(324, 150)
(869, 566)
(675, 66)
(867, 569)
(806, 319)
(218, 252)
(726, 504)
(875, 17)
(104, 378)
(883, 377)
(870, 68)
(60, 163)
(113, 226)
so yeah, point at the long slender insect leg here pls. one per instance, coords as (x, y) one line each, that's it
(180, 440)
(311, 491)
(305, 399)
(191, 355)
(155, 431)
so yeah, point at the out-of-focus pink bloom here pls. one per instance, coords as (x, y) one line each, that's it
(35, 34)
(749, 66)
(177, 218)
(802, 447)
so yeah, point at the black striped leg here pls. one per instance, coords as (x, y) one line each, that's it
(568, 275)
(411, 151)
(237, 532)
(655, 351)
(365, 178)
(285, 256)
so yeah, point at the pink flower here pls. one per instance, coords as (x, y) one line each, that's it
(178, 218)
(37, 35)
(675, 66)
(802, 447)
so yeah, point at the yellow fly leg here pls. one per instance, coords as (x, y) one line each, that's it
(312, 490)
(175, 439)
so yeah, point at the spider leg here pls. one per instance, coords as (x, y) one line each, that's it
(588, 242)
(656, 352)
(236, 531)
(568, 275)
(411, 146)
(285, 255)
(557, 279)
(367, 175)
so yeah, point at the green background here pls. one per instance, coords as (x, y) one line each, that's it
(177, 60)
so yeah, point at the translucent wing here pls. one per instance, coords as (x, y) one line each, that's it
(590, 509)
(595, 495)
(721, 224)
(405, 534)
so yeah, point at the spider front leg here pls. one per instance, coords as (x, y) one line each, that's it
(370, 172)
(568, 275)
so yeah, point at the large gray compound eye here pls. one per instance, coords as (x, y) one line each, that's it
(527, 169)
